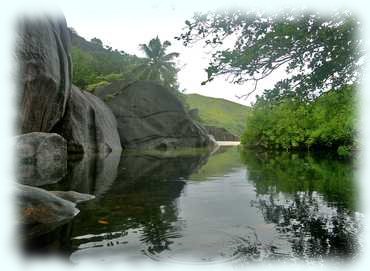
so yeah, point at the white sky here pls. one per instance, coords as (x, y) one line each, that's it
(126, 24)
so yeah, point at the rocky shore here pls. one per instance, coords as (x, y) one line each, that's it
(56, 120)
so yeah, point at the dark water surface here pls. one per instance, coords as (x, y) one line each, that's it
(193, 207)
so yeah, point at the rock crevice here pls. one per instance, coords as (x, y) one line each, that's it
(88, 125)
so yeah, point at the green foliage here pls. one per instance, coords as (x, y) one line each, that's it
(92, 87)
(83, 67)
(158, 65)
(289, 124)
(95, 64)
(219, 112)
(344, 151)
(103, 80)
(318, 52)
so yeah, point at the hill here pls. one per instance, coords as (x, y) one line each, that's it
(219, 112)
(96, 64)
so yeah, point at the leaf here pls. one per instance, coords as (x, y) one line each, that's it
(103, 221)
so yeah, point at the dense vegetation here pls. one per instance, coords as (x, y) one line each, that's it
(312, 105)
(219, 112)
(327, 122)
(95, 64)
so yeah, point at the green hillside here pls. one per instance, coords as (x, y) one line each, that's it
(96, 64)
(219, 112)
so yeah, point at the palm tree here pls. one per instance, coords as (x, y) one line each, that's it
(158, 65)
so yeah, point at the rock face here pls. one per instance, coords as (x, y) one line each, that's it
(107, 136)
(150, 116)
(42, 158)
(44, 73)
(88, 125)
(221, 134)
(54, 118)
(42, 211)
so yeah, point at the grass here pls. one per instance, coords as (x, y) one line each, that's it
(219, 112)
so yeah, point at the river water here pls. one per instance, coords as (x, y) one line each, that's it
(192, 207)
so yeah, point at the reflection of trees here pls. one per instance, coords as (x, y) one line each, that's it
(143, 198)
(312, 233)
(136, 193)
(310, 199)
(290, 172)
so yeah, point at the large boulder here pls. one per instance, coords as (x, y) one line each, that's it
(151, 116)
(42, 211)
(88, 125)
(106, 125)
(44, 75)
(42, 158)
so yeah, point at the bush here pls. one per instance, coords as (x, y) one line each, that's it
(344, 151)
(325, 122)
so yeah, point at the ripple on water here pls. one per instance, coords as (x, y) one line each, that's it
(206, 247)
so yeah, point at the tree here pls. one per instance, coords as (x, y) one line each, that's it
(83, 67)
(97, 42)
(158, 65)
(96, 64)
(317, 52)
(327, 123)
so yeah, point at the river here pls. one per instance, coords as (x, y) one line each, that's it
(192, 207)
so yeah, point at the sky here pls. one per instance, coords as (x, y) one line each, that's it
(124, 25)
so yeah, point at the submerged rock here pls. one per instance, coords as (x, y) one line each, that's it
(42, 211)
(73, 196)
(89, 125)
(42, 158)
(149, 116)
(43, 56)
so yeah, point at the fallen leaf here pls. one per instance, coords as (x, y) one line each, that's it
(103, 221)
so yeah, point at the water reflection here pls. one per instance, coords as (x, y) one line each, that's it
(311, 200)
(35, 173)
(187, 206)
(90, 174)
(141, 203)
(286, 172)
